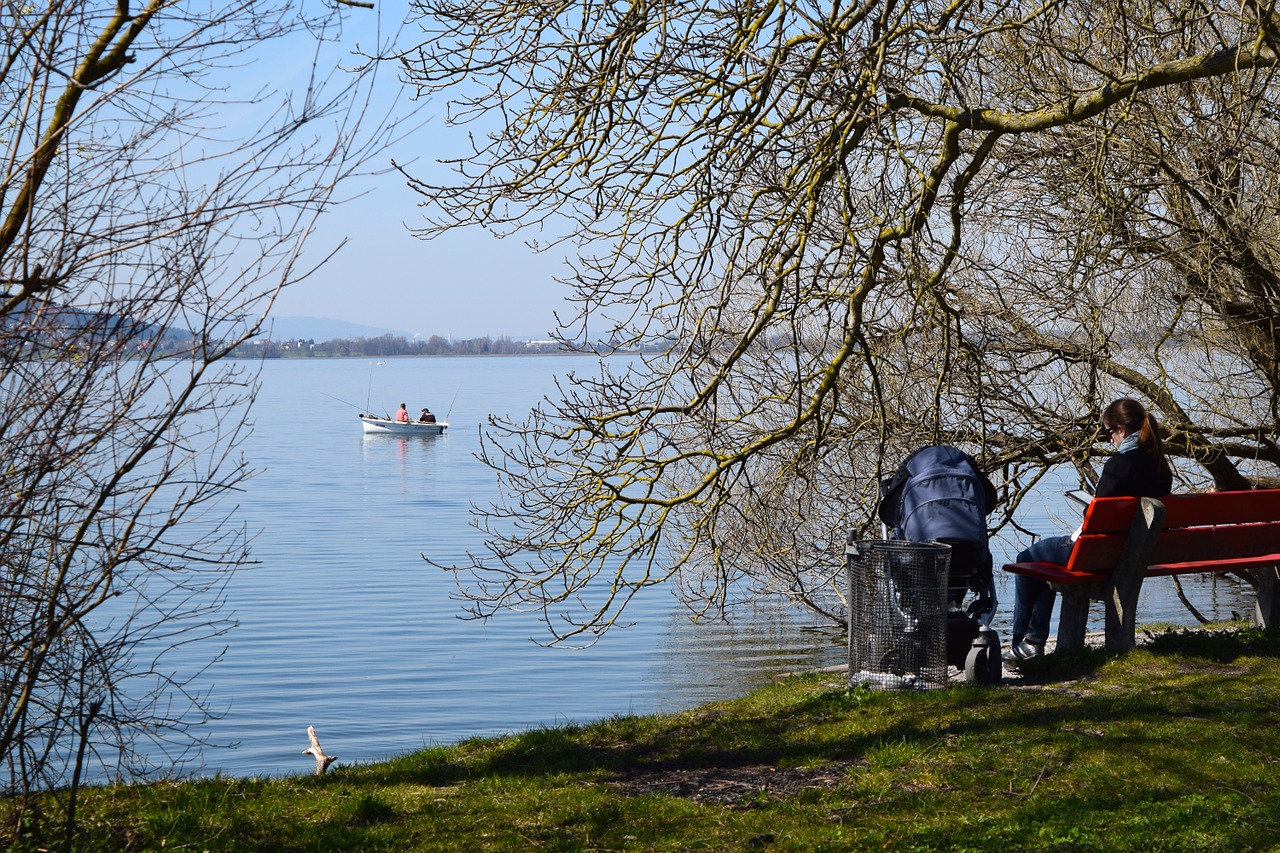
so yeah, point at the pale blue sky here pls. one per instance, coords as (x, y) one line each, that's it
(464, 284)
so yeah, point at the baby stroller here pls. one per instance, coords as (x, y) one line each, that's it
(939, 495)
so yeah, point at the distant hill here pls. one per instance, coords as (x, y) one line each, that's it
(52, 323)
(320, 329)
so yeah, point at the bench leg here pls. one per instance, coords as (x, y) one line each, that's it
(1122, 604)
(1267, 611)
(1072, 621)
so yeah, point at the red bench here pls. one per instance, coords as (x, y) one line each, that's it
(1125, 540)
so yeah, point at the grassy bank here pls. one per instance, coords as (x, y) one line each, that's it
(1175, 746)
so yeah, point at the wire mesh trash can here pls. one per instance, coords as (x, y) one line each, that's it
(897, 613)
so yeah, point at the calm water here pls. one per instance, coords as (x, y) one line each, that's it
(344, 627)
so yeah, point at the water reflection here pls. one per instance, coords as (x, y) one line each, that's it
(710, 660)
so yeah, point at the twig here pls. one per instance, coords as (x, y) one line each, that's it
(1041, 776)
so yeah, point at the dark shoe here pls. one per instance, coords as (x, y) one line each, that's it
(1027, 649)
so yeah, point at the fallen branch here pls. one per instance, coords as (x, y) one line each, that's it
(322, 761)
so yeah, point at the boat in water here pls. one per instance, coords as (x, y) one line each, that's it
(389, 426)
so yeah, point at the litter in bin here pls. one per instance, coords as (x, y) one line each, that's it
(897, 610)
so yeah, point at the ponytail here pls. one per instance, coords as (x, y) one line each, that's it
(1150, 443)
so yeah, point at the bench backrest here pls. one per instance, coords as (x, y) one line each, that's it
(1197, 528)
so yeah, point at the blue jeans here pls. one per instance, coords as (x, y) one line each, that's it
(1033, 599)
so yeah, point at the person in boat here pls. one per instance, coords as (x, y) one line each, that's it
(426, 417)
(402, 416)
(1139, 469)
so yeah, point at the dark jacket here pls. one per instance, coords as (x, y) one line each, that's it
(1133, 475)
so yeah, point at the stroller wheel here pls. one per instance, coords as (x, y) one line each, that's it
(983, 665)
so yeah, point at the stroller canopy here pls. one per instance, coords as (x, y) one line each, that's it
(939, 493)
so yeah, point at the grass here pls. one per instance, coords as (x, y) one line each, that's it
(1171, 747)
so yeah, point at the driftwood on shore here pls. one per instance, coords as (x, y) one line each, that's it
(322, 761)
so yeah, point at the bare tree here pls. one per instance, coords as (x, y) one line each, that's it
(156, 191)
(861, 227)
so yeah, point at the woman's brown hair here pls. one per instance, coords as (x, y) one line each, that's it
(1129, 413)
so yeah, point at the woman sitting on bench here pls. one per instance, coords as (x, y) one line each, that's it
(1139, 469)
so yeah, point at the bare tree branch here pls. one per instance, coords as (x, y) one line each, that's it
(148, 218)
(857, 228)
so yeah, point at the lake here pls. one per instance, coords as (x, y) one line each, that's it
(343, 626)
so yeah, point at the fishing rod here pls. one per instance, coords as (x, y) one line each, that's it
(369, 392)
(451, 402)
(346, 402)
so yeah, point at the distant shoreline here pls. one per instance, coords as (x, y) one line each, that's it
(303, 356)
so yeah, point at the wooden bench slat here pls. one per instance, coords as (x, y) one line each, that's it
(1237, 564)
(1204, 544)
(1053, 573)
(1221, 508)
(1109, 515)
(1095, 554)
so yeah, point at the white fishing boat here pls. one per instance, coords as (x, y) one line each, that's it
(390, 426)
